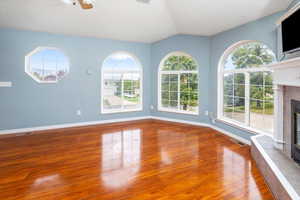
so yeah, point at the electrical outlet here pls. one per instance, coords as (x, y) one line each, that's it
(78, 112)
(206, 113)
(152, 107)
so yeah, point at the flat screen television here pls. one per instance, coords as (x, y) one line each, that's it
(291, 33)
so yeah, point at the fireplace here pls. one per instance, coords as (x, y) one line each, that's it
(295, 143)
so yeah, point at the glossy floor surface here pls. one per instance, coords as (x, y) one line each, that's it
(147, 160)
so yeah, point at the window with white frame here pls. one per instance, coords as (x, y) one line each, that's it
(178, 84)
(121, 83)
(47, 64)
(246, 96)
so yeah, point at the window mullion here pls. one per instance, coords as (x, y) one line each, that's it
(247, 98)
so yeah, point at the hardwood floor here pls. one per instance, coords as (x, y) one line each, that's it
(148, 160)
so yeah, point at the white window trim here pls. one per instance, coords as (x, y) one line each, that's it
(36, 50)
(122, 110)
(160, 73)
(221, 72)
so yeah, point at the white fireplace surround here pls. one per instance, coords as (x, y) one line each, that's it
(286, 73)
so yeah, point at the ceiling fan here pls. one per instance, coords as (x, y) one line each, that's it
(85, 4)
(89, 4)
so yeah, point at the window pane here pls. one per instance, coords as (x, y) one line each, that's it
(173, 104)
(180, 86)
(260, 84)
(165, 78)
(174, 86)
(173, 96)
(257, 78)
(239, 78)
(47, 64)
(239, 85)
(228, 84)
(188, 92)
(249, 55)
(262, 115)
(239, 109)
(179, 63)
(256, 92)
(169, 91)
(239, 90)
(269, 93)
(269, 116)
(228, 106)
(184, 100)
(122, 77)
(268, 78)
(257, 114)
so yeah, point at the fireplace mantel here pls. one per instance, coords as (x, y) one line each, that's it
(285, 73)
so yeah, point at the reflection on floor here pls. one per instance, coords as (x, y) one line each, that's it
(145, 160)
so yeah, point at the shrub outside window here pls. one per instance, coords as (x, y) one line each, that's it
(178, 84)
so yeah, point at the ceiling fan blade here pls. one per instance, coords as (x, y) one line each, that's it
(85, 5)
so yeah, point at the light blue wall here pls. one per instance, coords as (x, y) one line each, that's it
(263, 30)
(29, 104)
(199, 49)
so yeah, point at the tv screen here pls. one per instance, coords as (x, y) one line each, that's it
(291, 33)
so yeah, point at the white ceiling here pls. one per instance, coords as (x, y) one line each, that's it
(133, 21)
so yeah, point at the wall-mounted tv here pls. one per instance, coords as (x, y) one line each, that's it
(291, 33)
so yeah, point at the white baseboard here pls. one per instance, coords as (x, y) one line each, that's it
(70, 125)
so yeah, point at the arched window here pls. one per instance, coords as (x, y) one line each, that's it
(121, 83)
(47, 65)
(178, 84)
(246, 86)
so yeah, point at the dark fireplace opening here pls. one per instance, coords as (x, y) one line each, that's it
(296, 130)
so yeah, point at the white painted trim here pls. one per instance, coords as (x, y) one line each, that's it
(70, 125)
(5, 84)
(284, 182)
(288, 14)
(290, 63)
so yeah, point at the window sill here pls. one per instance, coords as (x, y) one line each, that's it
(121, 111)
(240, 126)
(177, 111)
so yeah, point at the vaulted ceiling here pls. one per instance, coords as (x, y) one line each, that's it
(134, 21)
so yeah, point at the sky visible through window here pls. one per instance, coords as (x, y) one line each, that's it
(120, 63)
(48, 61)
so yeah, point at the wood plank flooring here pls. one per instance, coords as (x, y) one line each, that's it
(147, 160)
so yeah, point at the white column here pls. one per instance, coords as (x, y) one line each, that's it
(278, 114)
